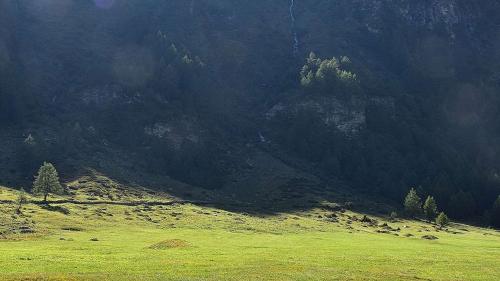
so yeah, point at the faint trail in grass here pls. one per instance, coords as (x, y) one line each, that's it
(134, 203)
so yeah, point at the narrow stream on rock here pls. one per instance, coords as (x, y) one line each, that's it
(191, 7)
(294, 31)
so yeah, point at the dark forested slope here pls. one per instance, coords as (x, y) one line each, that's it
(200, 90)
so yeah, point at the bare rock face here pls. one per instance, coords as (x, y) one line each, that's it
(174, 133)
(428, 14)
(347, 116)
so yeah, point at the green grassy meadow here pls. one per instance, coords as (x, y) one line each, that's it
(189, 242)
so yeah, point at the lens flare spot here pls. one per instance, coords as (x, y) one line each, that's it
(104, 4)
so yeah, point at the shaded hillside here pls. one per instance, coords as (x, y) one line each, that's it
(198, 91)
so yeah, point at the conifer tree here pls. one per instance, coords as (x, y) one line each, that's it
(413, 204)
(442, 220)
(47, 181)
(430, 208)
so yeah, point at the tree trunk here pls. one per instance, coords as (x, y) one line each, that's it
(45, 197)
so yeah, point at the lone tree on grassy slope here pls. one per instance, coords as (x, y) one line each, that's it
(430, 208)
(47, 181)
(413, 204)
(442, 220)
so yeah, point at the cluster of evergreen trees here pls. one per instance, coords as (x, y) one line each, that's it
(329, 76)
(414, 207)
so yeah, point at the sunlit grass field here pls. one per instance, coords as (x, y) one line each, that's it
(188, 242)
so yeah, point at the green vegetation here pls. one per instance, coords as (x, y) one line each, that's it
(430, 208)
(393, 215)
(47, 181)
(328, 75)
(397, 112)
(111, 241)
(21, 200)
(412, 204)
(442, 220)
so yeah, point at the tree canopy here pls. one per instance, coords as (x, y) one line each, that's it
(47, 181)
(430, 208)
(413, 204)
(442, 220)
(328, 75)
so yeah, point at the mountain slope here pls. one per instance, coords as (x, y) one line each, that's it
(194, 93)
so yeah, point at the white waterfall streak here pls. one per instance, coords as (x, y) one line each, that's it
(294, 31)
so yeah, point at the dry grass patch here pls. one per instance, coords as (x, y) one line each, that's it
(170, 244)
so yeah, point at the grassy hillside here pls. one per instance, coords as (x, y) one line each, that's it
(117, 233)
